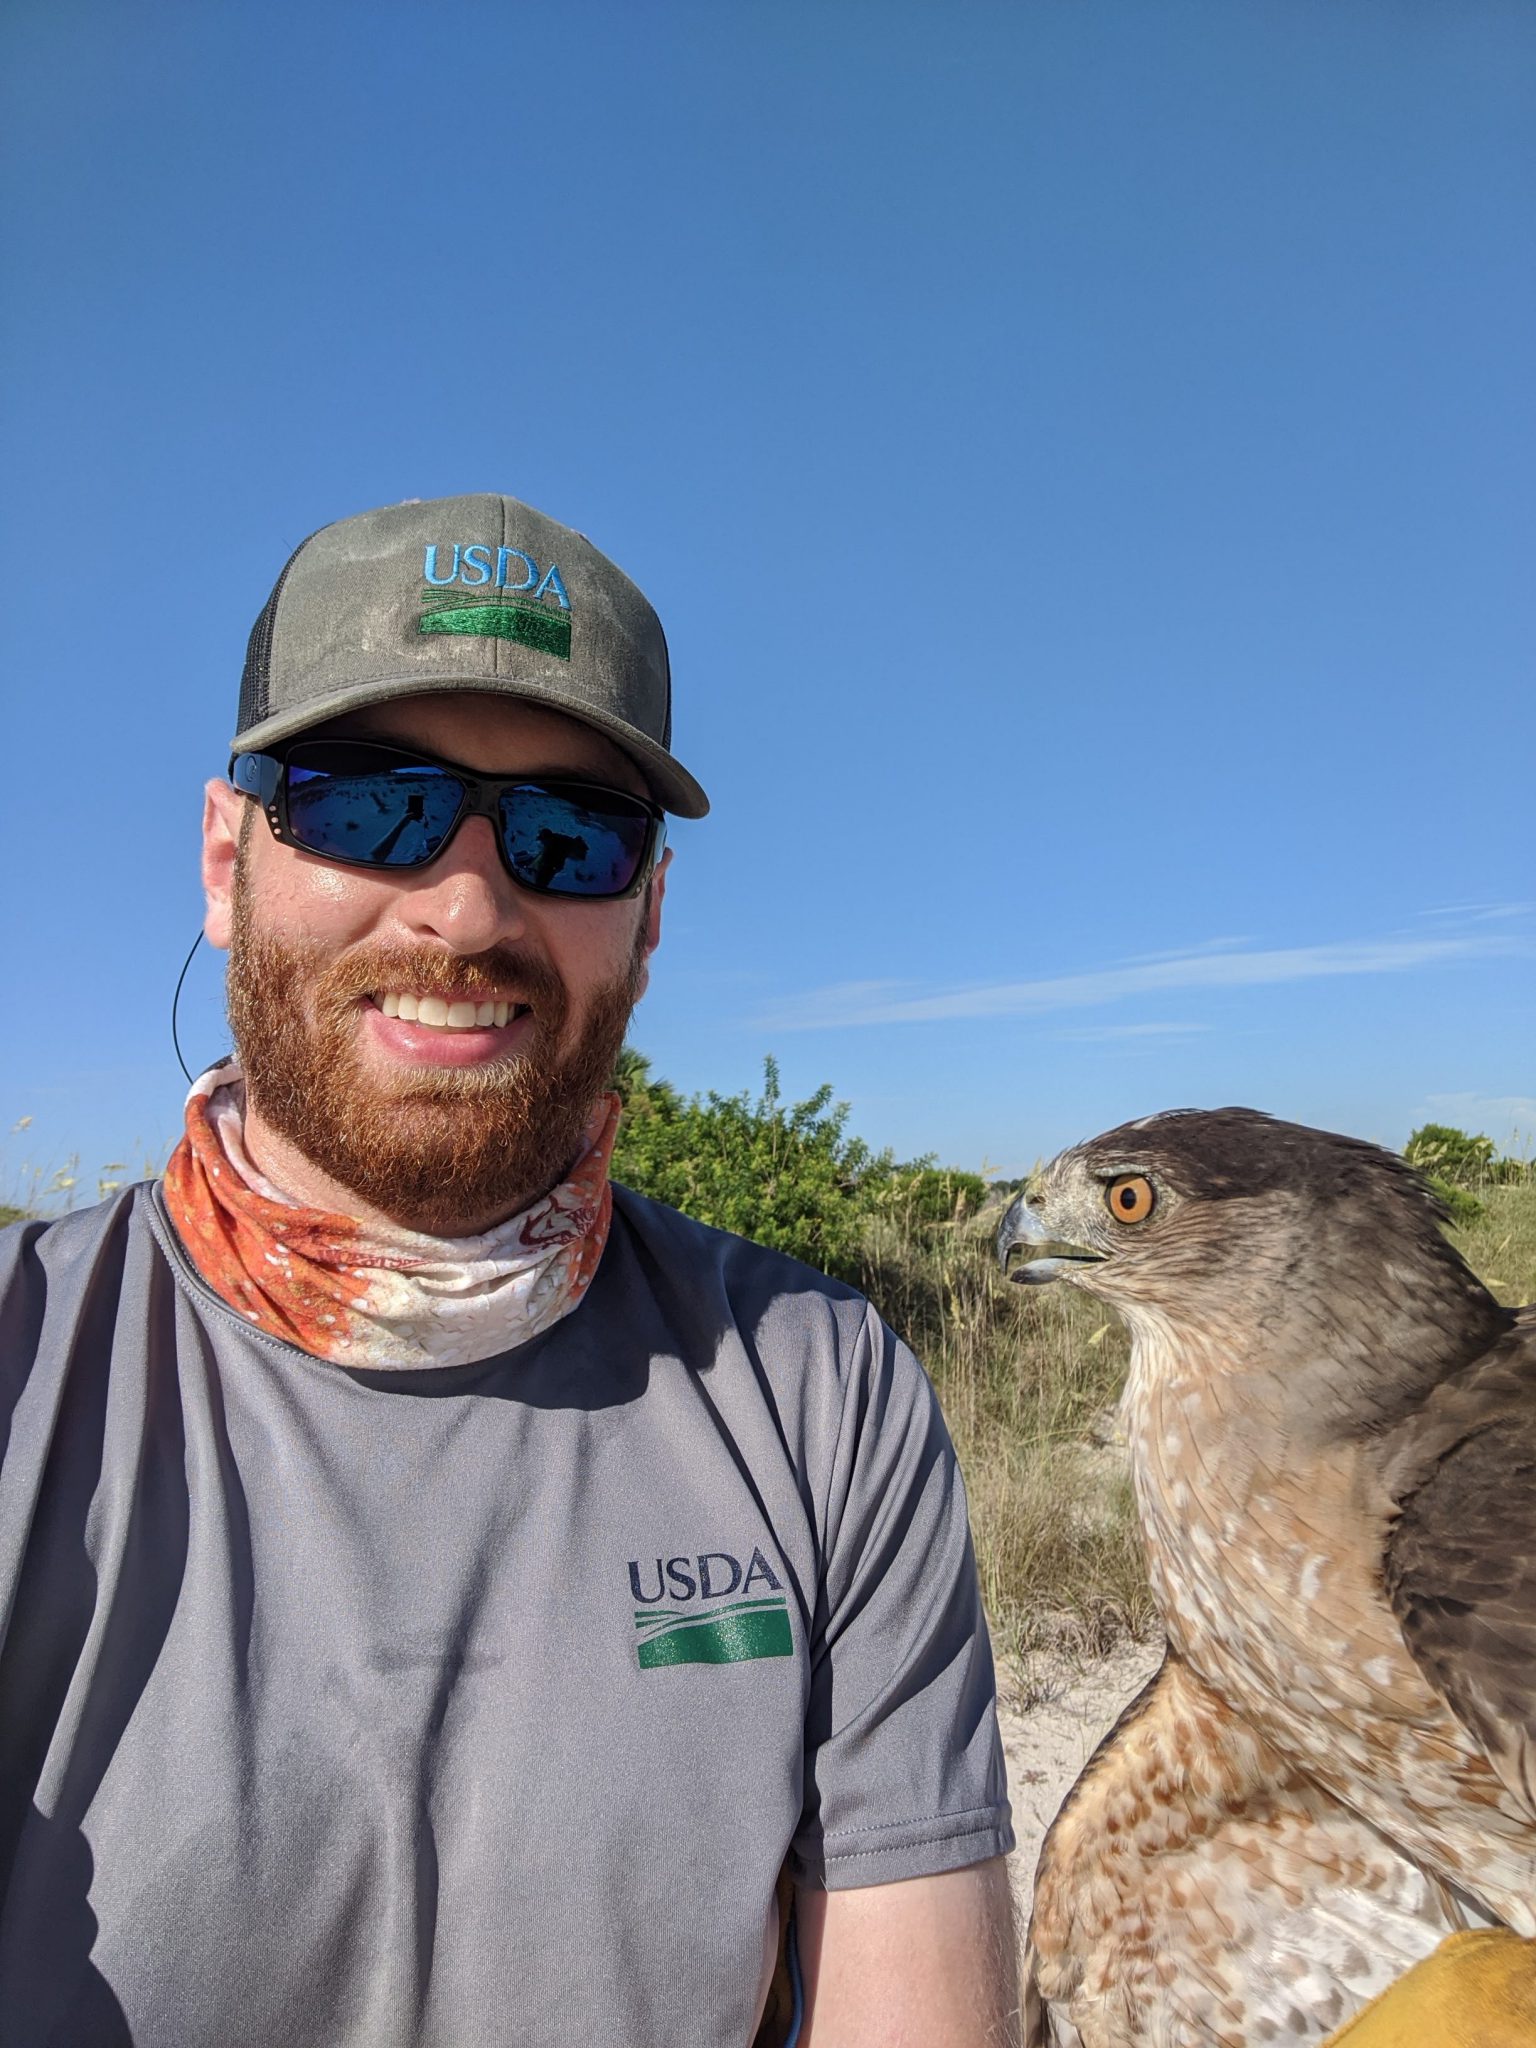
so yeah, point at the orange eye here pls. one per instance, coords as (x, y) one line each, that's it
(1131, 1198)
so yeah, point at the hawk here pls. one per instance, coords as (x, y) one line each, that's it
(1332, 1431)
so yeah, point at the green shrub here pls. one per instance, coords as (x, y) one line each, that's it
(1450, 1156)
(923, 1194)
(784, 1174)
(1454, 1163)
(1462, 1206)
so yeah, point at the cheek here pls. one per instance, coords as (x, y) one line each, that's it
(297, 898)
(594, 947)
(323, 892)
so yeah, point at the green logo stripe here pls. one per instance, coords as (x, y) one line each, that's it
(530, 625)
(726, 1639)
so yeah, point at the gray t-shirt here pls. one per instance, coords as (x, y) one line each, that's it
(469, 1706)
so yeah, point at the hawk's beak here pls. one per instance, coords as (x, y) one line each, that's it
(1029, 1253)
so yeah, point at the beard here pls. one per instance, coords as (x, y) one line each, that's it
(439, 1145)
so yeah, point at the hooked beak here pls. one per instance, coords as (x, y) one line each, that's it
(1029, 1254)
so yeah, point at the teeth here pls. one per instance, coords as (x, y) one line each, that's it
(436, 1010)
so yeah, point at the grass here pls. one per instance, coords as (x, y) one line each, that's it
(49, 1190)
(1029, 1379)
(1500, 1245)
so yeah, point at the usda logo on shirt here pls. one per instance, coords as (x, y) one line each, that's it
(708, 1609)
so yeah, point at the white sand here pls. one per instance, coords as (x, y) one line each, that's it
(1047, 1745)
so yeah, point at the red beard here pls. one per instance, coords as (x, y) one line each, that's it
(443, 1143)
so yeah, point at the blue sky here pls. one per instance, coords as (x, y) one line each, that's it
(1082, 454)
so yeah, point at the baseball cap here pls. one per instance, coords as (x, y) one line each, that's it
(471, 593)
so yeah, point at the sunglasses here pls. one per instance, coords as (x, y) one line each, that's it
(379, 807)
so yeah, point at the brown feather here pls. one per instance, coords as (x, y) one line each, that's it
(1460, 1564)
(1333, 1445)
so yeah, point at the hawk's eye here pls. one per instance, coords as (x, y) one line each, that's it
(1130, 1198)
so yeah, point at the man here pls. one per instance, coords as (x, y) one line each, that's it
(449, 1600)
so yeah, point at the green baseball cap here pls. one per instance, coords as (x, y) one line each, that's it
(471, 593)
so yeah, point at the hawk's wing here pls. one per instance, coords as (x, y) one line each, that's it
(1197, 1890)
(1460, 1563)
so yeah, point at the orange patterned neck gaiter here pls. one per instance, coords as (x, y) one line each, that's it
(373, 1295)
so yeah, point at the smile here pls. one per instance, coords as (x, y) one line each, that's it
(448, 1016)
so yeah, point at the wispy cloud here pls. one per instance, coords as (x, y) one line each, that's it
(1480, 913)
(1095, 1032)
(1191, 952)
(904, 1002)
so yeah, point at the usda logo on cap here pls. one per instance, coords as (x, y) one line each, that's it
(499, 610)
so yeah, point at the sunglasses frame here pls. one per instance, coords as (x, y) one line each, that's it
(263, 777)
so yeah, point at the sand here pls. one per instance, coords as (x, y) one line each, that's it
(1047, 1744)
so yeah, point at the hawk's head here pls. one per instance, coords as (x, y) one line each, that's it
(1242, 1229)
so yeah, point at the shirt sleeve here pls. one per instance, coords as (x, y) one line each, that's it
(904, 1772)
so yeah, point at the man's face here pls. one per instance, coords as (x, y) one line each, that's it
(440, 1128)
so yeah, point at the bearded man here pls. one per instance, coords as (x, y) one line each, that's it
(447, 1600)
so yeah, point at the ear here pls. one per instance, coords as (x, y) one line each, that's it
(658, 890)
(223, 813)
(655, 892)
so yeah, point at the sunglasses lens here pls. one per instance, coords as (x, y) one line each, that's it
(375, 806)
(562, 846)
(354, 803)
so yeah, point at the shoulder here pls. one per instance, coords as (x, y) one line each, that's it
(42, 1247)
(816, 1341)
(740, 1264)
(753, 1278)
(62, 1284)
(685, 1236)
(50, 1266)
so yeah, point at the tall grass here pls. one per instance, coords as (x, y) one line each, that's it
(1500, 1244)
(31, 1189)
(1029, 1379)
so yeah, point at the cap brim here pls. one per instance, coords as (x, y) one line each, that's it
(671, 784)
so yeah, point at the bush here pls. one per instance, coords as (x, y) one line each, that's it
(1461, 1207)
(781, 1173)
(922, 1194)
(1450, 1156)
(785, 1174)
(1454, 1163)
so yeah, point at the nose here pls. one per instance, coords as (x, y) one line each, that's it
(465, 897)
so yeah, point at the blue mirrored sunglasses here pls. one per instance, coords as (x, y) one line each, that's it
(373, 806)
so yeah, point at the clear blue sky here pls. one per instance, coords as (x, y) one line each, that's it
(1082, 451)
